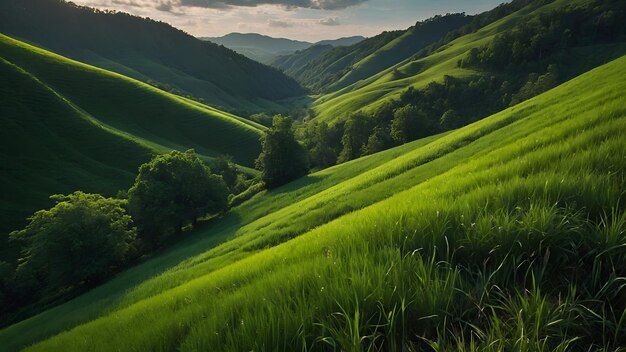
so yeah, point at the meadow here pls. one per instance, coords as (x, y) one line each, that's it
(507, 234)
(59, 134)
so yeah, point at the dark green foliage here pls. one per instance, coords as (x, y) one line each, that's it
(356, 132)
(78, 241)
(323, 142)
(378, 141)
(536, 85)
(409, 123)
(261, 118)
(171, 190)
(450, 120)
(282, 158)
(147, 50)
(224, 166)
(528, 46)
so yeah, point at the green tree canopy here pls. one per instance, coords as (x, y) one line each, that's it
(173, 189)
(78, 240)
(356, 132)
(224, 166)
(282, 158)
(405, 126)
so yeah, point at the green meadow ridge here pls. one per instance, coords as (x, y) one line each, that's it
(433, 64)
(148, 51)
(507, 234)
(59, 134)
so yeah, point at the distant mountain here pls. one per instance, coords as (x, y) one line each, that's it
(265, 49)
(258, 47)
(346, 41)
(336, 67)
(148, 50)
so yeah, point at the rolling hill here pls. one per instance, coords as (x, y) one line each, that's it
(266, 49)
(69, 126)
(507, 234)
(328, 69)
(426, 66)
(148, 51)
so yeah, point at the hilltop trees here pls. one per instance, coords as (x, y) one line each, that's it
(282, 158)
(174, 189)
(77, 241)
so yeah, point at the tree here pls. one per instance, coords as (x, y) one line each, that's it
(450, 120)
(282, 158)
(323, 142)
(357, 129)
(223, 165)
(79, 240)
(378, 141)
(173, 189)
(409, 123)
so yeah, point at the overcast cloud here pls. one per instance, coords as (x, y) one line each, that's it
(310, 20)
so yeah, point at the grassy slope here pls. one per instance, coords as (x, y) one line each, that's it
(69, 126)
(294, 64)
(147, 50)
(388, 84)
(322, 69)
(401, 48)
(356, 225)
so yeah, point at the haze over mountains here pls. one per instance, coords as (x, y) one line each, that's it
(461, 183)
(266, 49)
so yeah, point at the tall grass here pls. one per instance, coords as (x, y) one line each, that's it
(509, 234)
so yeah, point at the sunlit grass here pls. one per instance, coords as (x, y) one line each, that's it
(508, 234)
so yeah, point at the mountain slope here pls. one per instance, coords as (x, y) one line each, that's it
(411, 245)
(418, 71)
(259, 47)
(69, 126)
(333, 69)
(406, 45)
(148, 51)
(266, 49)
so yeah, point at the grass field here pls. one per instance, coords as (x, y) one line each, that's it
(507, 234)
(68, 126)
(367, 92)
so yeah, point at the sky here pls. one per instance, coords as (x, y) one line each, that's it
(310, 20)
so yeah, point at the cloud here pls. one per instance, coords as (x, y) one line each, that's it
(166, 6)
(311, 4)
(279, 24)
(329, 21)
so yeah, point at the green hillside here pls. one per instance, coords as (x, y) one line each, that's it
(418, 71)
(68, 126)
(507, 234)
(149, 51)
(330, 64)
(295, 63)
(401, 48)
(325, 69)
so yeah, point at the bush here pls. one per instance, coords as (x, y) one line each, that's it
(79, 240)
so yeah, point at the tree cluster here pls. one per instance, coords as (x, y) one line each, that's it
(282, 158)
(85, 238)
(531, 44)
